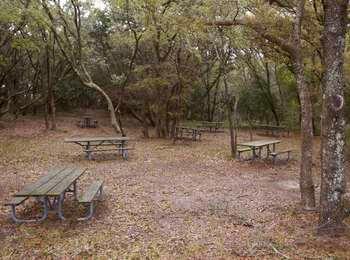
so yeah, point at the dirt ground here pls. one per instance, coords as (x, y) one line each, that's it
(188, 200)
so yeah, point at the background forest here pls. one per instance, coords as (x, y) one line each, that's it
(158, 61)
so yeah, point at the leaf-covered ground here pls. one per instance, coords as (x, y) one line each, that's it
(187, 200)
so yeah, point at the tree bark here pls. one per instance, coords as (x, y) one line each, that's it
(113, 118)
(50, 95)
(231, 105)
(307, 189)
(333, 123)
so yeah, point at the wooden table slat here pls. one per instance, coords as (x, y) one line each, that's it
(259, 143)
(91, 191)
(43, 189)
(66, 182)
(27, 189)
(93, 139)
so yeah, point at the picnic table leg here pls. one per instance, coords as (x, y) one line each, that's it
(88, 152)
(60, 205)
(254, 153)
(125, 154)
(42, 218)
(268, 151)
(75, 190)
(92, 206)
(121, 145)
(260, 148)
(90, 213)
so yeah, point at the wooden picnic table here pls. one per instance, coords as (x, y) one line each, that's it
(271, 128)
(102, 144)
(50, 190)
(259, 145)
(183, 132)
(211, 126)
(87, 122)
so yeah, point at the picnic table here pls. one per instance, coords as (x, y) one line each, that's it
(273, 129)
(183, 132)
(87, 122)
(102, 144)
(259, 145)
(211, 126)
(50, 190)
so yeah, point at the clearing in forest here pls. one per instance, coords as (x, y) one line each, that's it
(183, 200)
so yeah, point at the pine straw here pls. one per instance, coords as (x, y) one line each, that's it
(187, 200)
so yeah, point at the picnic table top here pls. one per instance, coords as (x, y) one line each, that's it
(270, 126)
(187, 127)
(211, 122)
(97, 139)
(259, 143)
(53, 183)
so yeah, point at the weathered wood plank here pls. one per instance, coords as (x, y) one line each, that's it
(94, 139)
(107, 143)
(66, 182)
(27, 189)
(259, 143)
(280, 152)
(243, 149)
(91, 192)
(111, 149)
(43, 189)
(16, 201)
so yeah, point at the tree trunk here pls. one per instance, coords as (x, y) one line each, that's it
(50, 95)
(231, 104)
(113, 118)
(145, 131)
(209, 107)
(332, 166)
(47, 123)
(307, 189)
(213, 109)
(270, 96)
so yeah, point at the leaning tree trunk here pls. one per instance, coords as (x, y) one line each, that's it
(113, 118)
(87, 81)
(332, 166)
(307, 189)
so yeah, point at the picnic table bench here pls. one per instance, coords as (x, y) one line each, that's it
(102, 144)
(211, 126)
(275, 154)
(258, 145)
(93, 192)
(49, 190)
(182, 132)
(87, 122)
